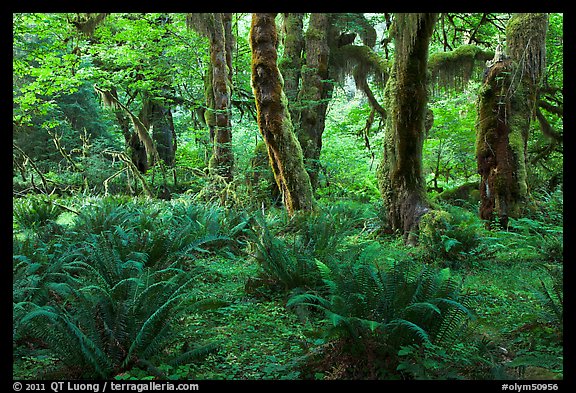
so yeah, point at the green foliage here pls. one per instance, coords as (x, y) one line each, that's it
(474, 359)
(551, 297)
(288, 253)
(282, 261)
(117, 290)
(382, 309)
(111, 294)
(123, 315)
(35, 212)
(454, 237)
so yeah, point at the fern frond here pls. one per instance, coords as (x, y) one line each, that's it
(411, 327)
(196, 353)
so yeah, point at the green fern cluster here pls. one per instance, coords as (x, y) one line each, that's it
(551, 297)
(104, 315)
(453, 238)
(281, 262)
(377, 310)
(112, 290)
(287, 254)
(34, 212)
(403, 304)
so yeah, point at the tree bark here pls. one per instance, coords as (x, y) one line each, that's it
(218, 89)
(158, 118)
(506, 105)
(291, 64)
(400, 174)
(315, 93)
(222, 160)
(274, 120)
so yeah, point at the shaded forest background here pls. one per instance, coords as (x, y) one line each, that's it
(362, 196)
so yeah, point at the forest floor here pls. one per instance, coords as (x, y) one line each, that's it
(258, 337)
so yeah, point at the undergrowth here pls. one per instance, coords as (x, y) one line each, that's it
(130, 288)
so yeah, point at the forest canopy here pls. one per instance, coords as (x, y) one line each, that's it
(375, 195)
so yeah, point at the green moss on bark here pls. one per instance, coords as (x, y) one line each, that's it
(400, 172)
(454, 69)
(501, 135)
(274, 122)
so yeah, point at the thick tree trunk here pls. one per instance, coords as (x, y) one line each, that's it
(274, 121)
(506, 105)
(315, 93)
(400, 173)
(501, 135)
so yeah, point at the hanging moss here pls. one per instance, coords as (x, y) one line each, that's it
(453, 70)
(526, 41)
(361, 59)
(357, 23)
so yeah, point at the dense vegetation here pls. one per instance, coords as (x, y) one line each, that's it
(161, 229)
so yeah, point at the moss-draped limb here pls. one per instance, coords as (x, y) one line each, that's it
(455, 68)
(274, 122)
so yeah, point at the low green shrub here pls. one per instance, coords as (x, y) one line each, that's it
(379, 310)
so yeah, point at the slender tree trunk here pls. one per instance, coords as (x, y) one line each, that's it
(218, 89)
(315, 93)
(506, 105)
(222, 160)
(158, 118)
(274, 121)
(400, 173)
(291, 63)
(139, 142)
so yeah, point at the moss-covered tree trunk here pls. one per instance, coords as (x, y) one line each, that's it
(222, 160)
(158, 118)
(315, 93)
(291, 63)
(506, 104)
(218, 89)
(274, 120)
(400, 172)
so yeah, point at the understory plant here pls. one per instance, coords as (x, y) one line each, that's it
(288, 253)
(377, 310)
(106, 318)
